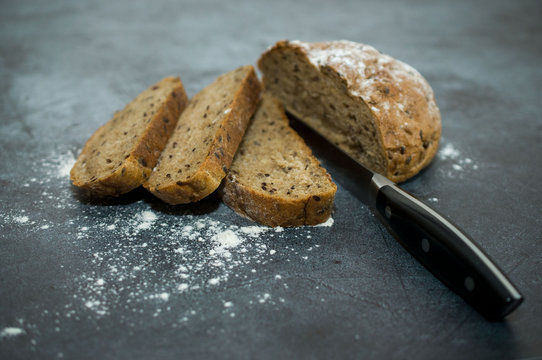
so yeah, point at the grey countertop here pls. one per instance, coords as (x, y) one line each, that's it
(137, 279)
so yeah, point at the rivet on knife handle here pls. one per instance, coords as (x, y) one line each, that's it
(445, 250)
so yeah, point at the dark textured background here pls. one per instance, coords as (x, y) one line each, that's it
(65, 66)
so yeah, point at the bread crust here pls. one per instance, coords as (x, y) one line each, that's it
(401, 101)
(215, 166)
(272, 211)
(137, 167)
(275, 210)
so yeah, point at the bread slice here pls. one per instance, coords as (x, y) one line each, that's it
(274, 179)
(207, 135)
(120, 155)
(379, 110)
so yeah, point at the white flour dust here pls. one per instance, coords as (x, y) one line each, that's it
(11, 331)
(458, 165)
(64, 164)
(21, 219)
(448, 152)
(145, 220)
(139, 260)
(327, 223)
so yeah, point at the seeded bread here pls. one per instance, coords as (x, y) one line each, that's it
(120, 155)
(274, 179)
(207, 135)
(379, 110)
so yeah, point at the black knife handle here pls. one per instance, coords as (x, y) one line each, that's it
(447, 252)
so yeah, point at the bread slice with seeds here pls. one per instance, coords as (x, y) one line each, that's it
(207, 135)
(120, 155)
(378, 109)
(274, 179)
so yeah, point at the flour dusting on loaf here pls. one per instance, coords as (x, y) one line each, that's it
(379, 109)
(368, 67)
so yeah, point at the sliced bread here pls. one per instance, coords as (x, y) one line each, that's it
(378, 109)
(201, 149)
(274, 178)
(120, 155)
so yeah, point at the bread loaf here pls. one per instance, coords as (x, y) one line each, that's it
(207, 135)
(120, 155)
(274, 179)
(379, 110)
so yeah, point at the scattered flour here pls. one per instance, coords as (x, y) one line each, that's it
(253, 231)
(142, 261)
(202, 253)
(448, 152)
(459, 165)
(327, 223)
(214, 281)
(11, 331)
(225, 240)
(65, 164)
(263, 298)
(21, 219)
(146, 219)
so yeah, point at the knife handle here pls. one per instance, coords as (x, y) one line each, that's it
(446, 251)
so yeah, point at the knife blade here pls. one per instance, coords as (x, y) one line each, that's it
(435, 241)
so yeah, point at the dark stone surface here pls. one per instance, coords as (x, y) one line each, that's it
(65, 66)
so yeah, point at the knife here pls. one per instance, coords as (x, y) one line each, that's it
(435, 241)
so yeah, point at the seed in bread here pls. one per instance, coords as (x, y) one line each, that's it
(378, 109)
(120, 155)
(274, 178)
(207, 135)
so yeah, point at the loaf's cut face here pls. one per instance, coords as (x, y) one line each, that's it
(378, 109)
(206, 137)
(120, 155)
(274, 179)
